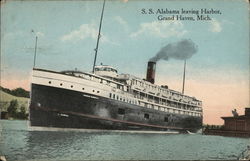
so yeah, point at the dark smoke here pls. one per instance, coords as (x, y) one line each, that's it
(181, 50)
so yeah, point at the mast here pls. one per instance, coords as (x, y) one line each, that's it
(184, 74)
(98, 38)
(34, 64)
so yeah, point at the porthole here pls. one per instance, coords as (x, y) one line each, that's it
(61, 84)
(121, 111)
(82, 88)
(98, 91)
(71, 86)
(49, 82)
(93, 90)
(146, 116)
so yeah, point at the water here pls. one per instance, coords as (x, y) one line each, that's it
(17, 143)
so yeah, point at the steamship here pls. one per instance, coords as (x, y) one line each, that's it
(104, 99)
(108, 100)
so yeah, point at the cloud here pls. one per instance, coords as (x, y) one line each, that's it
(162, 29)
(39, 34)
(12, 34)
(215, 26)
(85, 31)
(122, 22)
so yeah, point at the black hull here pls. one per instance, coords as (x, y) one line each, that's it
(57, 107)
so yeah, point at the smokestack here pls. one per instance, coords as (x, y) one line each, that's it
(151, 72)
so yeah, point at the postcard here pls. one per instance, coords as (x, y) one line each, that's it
(121, 79)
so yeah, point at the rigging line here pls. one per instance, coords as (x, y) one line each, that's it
(34, 63)
(184, 74)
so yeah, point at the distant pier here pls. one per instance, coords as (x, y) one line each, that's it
(235, 126)
(222, 132)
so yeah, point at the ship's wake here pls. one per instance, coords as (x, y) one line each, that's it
(39, 128)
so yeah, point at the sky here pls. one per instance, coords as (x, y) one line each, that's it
(218, 74)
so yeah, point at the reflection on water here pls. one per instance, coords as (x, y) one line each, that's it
(17, 143)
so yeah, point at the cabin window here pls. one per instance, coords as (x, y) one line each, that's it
(110, 95)
(165, 119)
(117, 97)
(121, 111)
(113, 96)
(146, 116)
